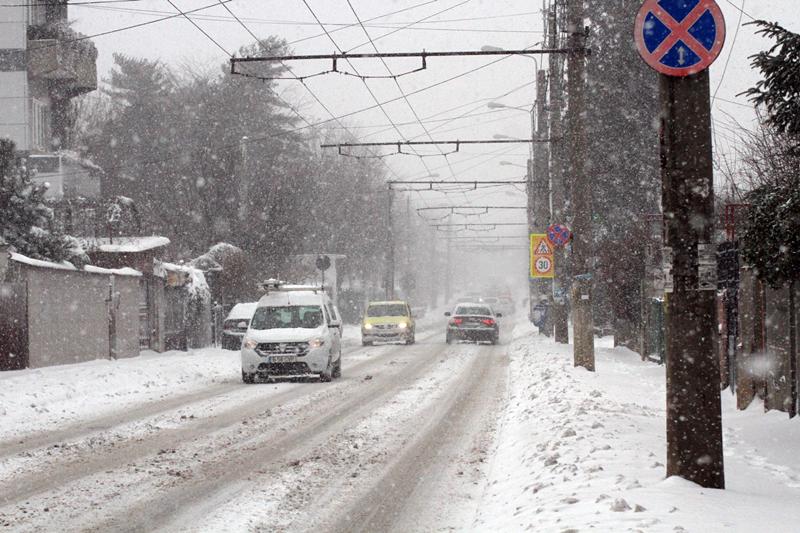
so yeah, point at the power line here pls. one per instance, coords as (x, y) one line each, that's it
(201, 30)
(741, 10)
(730, 53)
(397, 82)
(337, 118)
(405, 27)
(312, 93)
(125, 28)
(366, 85)
(341, 25)
(85, 3)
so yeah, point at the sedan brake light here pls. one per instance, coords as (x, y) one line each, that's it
(457, 321)
(488, 321)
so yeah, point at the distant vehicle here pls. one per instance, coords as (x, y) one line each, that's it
(474, 322)
(295, 331)
(235, 325)
(388, 322)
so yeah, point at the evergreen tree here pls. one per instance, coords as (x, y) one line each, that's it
(779, 90)
(771, 238)
(26, 222)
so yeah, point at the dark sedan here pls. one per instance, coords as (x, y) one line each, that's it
(473, 322)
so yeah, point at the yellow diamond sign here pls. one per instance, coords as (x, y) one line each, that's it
(542, 262)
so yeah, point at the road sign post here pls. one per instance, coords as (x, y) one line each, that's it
(680, 39)
(542, 262)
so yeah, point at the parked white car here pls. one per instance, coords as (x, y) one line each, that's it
(236, 324)
(295, 331)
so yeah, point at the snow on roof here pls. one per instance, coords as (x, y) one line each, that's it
(121, 245)
(242, 311)
(65, 265)
(197, 285)
(116, 271)
(24, 259)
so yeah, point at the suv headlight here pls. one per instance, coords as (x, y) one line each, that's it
(250, 344)
(316, 343)
(367, 326)
(402, 325)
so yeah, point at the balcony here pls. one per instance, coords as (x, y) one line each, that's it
(54, 55)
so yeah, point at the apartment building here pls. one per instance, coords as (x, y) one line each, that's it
(43, 65)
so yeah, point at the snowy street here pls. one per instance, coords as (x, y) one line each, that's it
(413, 438)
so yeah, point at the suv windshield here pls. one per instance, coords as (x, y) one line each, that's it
(294, 316)
(387, 310)
(473, 310)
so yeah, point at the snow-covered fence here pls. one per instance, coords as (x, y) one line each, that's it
(77, 315)
(766, 354)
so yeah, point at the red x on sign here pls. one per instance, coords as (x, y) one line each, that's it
(679, 47)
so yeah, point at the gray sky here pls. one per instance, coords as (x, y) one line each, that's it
(460, 24)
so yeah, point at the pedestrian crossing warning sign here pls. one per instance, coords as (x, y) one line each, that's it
(543, 248)
(542, 262)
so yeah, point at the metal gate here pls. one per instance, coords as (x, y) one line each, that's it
(145, 330)
(13, 326)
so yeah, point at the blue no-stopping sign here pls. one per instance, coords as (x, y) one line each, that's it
(679, 37)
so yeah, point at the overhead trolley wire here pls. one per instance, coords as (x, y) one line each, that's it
(397, 82)
(366, 85)
(308, 89)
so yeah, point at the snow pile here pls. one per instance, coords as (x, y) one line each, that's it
(579, 450)
(36, 400)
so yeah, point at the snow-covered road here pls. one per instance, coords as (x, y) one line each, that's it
(226, 456)
(427, 437)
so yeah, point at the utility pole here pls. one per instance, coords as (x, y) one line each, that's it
(539, 191)
(391, 245)
(557, 179)
(694, 419)
(447, 268)
(582, 255)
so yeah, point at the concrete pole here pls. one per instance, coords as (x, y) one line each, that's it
(391, 245)
(694, 420)
(582, 253)
(541, 189)
(557, 179)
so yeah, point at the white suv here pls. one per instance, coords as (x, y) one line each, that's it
(295, 331)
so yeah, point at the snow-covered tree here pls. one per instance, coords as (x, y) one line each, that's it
(771, 240)
(26, 222)
(779, 88)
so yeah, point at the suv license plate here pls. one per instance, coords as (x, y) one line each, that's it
(283, 359)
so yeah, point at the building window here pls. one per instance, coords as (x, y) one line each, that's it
(37, 12)
(40, 124)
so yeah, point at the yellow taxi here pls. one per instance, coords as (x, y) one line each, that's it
(389, 321)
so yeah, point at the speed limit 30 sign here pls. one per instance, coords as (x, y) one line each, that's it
(542, 262)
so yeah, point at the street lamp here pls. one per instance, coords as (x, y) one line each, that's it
(510, 164)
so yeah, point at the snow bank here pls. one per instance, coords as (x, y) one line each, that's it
(43, 399)
(579, 450)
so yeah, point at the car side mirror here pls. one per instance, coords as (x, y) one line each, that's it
(242, 325)
(499, 315)
(447, 313)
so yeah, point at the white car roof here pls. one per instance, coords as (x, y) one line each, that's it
(242, 311)
(280, 298)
